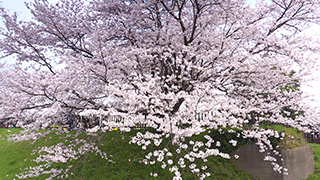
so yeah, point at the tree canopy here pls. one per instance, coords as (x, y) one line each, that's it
(161, 63)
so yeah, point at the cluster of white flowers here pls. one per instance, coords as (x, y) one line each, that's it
(279, 169)
(263, 142)
(153, 174)
(27, 135)
(159, 155)
(93, 130)
(144, 140)
(61, 153)
(44, 169)
(269, 158)
(192, 150)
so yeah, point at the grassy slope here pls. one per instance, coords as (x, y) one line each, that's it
(293, 138)
(316, 155)
(16, 156)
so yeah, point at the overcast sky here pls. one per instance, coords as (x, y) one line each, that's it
(18, 6)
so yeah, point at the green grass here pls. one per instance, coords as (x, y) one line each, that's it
(16, 156)
(316, 155)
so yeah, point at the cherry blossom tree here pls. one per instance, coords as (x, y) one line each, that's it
(162, 63)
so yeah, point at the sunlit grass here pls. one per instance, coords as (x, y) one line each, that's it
(316, 155)
(17, 156)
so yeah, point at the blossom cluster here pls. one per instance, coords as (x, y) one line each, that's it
(61, 153)
(27, 135)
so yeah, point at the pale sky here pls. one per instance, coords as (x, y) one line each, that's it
(18, 6)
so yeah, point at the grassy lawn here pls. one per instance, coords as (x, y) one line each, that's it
(17, 156)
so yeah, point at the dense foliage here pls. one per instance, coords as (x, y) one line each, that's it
(179, 67)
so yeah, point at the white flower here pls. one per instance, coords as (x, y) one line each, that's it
(169, 154)
(155, 153)
(185, 146)
(163, 166)
(207, 137)
(145, 161)
(233, 142)
(192, 166)
(196, 170)
(236, 156)
(208, 144)
(160, 158)
(218, 144)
